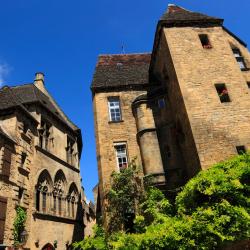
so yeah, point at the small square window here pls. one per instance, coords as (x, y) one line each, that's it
(222, 92)
(161, 103)
(205, 41)
(241, 150)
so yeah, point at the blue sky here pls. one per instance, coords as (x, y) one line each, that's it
(63, 39)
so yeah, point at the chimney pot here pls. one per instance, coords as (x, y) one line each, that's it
(39, 76)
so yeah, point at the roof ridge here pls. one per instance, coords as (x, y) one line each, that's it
(126, 54)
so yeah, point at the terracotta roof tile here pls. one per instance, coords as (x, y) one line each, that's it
(121, 70)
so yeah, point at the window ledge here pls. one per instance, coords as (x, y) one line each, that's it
(246, 69)
(52, 217)
(25, 137)
(116, 121)
(23, 170)
(55, 158)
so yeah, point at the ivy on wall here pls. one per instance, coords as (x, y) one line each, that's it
(19, 224)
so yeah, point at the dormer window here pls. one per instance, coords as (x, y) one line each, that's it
(44, 134)
(205, 41)
(70, 151)
(239, 58)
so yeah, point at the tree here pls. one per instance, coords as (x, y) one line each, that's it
(212, 210)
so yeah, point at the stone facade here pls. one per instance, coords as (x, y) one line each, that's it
(40, 149)
(182, 108)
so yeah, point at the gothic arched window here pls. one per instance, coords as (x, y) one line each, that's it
(73, 197)
(43, 189)
(59, 192)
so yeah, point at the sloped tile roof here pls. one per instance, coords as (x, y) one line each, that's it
(176, 15)
(28, 93)
(121, 70)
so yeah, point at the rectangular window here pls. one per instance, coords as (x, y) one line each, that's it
(239, 58)
(3, 206)
(6, 165)
(205, 41)
(241, 150)
(114, 109)
(248, 84)
(121, 156)
(222, 92)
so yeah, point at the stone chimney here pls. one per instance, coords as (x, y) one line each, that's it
(39, 80)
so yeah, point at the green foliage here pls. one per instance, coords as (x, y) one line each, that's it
(124, 197)
(97, 241)
(212, 209)
(19, 222)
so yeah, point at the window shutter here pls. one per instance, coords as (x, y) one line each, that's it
(6, 162)
(3, 206)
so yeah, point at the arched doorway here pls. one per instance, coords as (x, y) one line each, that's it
(48, 247)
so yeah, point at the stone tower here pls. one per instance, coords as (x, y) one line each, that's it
(180, 109)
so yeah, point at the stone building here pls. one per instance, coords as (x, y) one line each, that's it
(40, 149)
(179, 109)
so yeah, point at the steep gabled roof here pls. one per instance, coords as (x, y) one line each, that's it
(178, 16)
(121, 70)
(28, 93)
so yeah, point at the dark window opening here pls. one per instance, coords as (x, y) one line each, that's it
(222, 92)
(248, 84)
(44, 133)
(161, 103)
(20, 193)
(25, 127)
(205, 41)
(38, 200)
(70, 151)
(239, 58)
(23, 158)
(241, 150)
(3, 207)
(54, 203)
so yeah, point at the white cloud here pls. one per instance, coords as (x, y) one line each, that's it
(4, 70)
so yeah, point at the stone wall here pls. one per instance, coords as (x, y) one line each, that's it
(217, 127)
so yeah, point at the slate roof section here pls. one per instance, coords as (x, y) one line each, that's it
(178, 16)
(121, 70)
(25, 94)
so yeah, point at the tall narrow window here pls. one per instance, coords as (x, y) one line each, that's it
(73, 209)
(3, 206)
(44, 202)
(23, 159)
(114, 109)
(54, 204)
(205, 41)
(222, 92)
(60, 206)
(239, 58)
(70, 151)
(121, 156)
(38, 200)
(248, 85)
(44, 133)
